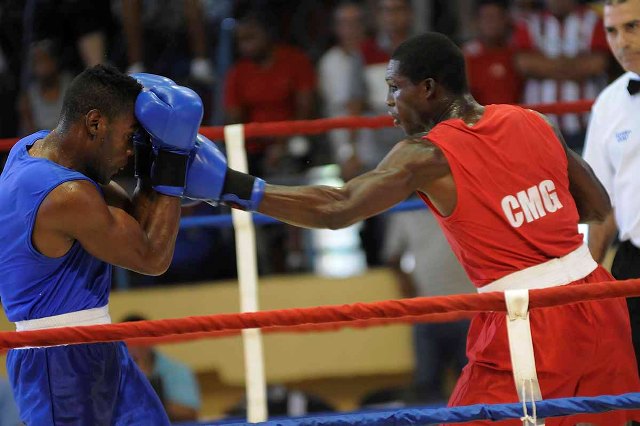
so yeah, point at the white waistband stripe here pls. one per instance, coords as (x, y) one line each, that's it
(86, 317)
(552, 273)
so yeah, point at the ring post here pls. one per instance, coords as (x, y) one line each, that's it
(255, 382)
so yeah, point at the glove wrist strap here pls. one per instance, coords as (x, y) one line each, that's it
(143, 158)
(169, 169)
(242, 190)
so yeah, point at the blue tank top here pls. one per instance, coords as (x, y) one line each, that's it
(33, 285)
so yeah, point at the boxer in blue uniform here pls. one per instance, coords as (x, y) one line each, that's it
(64, 223)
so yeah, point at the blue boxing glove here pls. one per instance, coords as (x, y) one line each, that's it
(151, 80)
(209, 179)
(141, 139)
(172, 116)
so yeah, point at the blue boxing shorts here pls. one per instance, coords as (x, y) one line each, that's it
(87, 384)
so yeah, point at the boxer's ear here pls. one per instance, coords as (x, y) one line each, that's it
(428, 87)
(92, 121)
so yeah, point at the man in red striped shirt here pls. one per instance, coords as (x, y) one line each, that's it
(492, 76)
(563, 53)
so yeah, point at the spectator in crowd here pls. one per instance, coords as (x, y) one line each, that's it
(308, 24)
(166, 37)
(173, 381)
(8, 92)
(11, 19)
(489, 57)
(286, 79)
(8, 409)
(40, 106)
(338, 94)
(80, 31)
(282, 401)
(286, 82)
(428, 270)
(521, 9)
(562, 52)
(80, 25)
(393, 25)
(612, 150)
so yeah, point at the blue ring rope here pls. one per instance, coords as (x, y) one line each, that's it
(421, 416)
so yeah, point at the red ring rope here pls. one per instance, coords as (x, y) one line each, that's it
(304, 328)
(309, 127)
(419, 306)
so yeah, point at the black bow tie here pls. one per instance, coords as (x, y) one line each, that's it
(633, 87)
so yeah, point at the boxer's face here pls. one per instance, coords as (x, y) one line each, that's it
(406, 100)
(113, 146)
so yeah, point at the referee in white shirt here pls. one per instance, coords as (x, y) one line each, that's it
(612, 148)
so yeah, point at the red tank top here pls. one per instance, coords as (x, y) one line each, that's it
(514, 208)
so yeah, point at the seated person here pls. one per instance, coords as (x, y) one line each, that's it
(173, 381)
(8, 408)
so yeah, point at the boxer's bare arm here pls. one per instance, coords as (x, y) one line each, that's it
(601, 236)
(591, 198)
(138, 207)
(410, 166)
(77, 211)
(116, 196)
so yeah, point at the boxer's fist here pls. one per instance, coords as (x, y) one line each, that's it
(141, 140)
(151, 80)
(172, 116)
(209, 179)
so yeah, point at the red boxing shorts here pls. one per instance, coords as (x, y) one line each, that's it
(582, 349)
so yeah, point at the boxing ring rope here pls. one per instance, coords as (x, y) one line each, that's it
(309, 127)
(303, 328)
(300, 328)
(250, 321)
(420, 416)
(423, 307)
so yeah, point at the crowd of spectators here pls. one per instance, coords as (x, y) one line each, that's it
(265, 60)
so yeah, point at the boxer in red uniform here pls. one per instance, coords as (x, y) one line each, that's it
(508, 195)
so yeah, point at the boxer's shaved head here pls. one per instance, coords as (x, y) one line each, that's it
(102, 88)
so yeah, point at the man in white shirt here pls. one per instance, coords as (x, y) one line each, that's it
(612, 149)
(343, 96)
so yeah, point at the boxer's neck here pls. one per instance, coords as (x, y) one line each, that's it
(63, 149)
